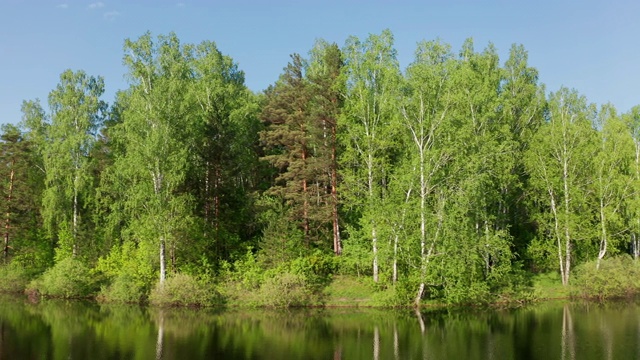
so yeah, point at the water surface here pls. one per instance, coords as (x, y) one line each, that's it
(84, 330)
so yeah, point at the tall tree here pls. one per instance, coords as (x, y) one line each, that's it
(632, 121)
(225, 136)
(559, 163)
(521, 110)
(288, 137)
(154, 121)
(76, 113)
(14, 186)
(327, 86)
(368, 122)
(612, 183)
(427, 102)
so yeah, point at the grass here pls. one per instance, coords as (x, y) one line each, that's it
(549, 286)
(349, 291)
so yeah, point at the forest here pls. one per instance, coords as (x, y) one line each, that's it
(458, 179)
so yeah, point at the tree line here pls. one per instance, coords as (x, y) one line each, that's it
(455, 178)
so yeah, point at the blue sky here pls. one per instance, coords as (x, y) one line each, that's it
(591, 46)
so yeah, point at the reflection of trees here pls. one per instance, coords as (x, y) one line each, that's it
(60, 330)
(605, 329)
(568, 336)
(396, 342)
(160, 335)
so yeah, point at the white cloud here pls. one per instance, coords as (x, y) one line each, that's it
(62, 6)
(110, 15)
(96, 5)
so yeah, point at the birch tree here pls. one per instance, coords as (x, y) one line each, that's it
(559, 163)
(632, 203)
(154, 121)
(424, 113)
(612, 183)
(76, 113)
(370, 112)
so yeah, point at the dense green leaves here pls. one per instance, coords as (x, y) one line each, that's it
(447, 181)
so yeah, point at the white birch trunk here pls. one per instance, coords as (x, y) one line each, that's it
(163, 262)
(603, 239)
(374, 235)
(75, 216)
(567, 212)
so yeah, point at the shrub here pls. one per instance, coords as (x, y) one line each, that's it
(69, 278)
(183, 290)
(617, 277)
(286, 290)
(317, 269)
(298, 282)
(14, 278)
(123, 289)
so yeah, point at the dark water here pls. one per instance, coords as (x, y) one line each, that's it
(77, 330)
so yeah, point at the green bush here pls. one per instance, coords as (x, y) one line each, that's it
(317, 269)
(286, 290)
(617, 277)
(183, 290)
(123, 289)
(69, 278)
(14, 278)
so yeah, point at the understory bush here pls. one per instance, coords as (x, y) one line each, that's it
(123, 289)
(617, 277)
(286, 290)
(184, 290)
(299, 282)
(14, 278)
(68, 278)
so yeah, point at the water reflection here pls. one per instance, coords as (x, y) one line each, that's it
(568, 338)
(77, 330)
(160, 335)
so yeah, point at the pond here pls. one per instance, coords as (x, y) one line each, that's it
(84, 330)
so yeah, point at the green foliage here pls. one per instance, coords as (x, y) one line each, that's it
(617, 277)
(451, 176)
(299, 282)
(246, 272)
(285, 289)
(349, 291)
(68, 278)
(356, 256)
(123, 289)
(282, 239)
(128, 264)
(15, 277)
(183, 290)
(543, 255)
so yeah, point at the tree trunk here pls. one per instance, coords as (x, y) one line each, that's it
(423, 196)
(554, 210)
(567, 212)
(75, 221)
(374, 235)
(163, 262)
(395, 259)
(337, 245)
(305, 199)
(603, 240)
(7, 222)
